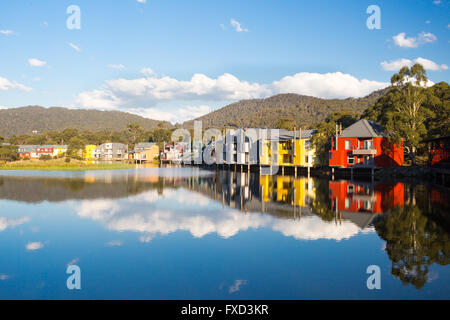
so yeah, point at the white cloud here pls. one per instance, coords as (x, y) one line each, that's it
(142, 1)
(237, 26)
(4, 277)
(237, 286)
(428, 22)
(437, 2)
(6, 32)
(36, 62)
(179, 115)
(413, 42)
(328, 85)
(11, 222)
(116, 66)
(2, 107)
(75, 47)
(5, 85)
(148, 72)
(73, 261)
(222, 26)
(144, 93)
(395, 65)
(114, 243)
(31, 246)
(156, 217)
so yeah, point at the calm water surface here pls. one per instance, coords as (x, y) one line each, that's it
(183, 233)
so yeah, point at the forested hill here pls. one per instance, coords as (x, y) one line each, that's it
(25, 120)
(265, 113)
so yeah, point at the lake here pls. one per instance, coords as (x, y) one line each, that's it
(187, 233)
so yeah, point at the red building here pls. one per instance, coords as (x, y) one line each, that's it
(440, 151)
(347, 196)
(47, 151)
(364, 144)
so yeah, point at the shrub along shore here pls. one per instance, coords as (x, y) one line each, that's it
(63, 165)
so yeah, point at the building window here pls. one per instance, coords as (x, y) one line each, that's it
(368, 144)
(330, 156)
(347, 145)
(306, 159)
(347, 203)
(350, 160)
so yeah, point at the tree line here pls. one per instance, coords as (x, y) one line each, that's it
(410, 111)
(76, 139)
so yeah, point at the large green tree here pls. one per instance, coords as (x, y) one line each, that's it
(8, 153)
(406, 119)
(325, 131)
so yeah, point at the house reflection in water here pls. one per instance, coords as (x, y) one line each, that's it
(350, 196)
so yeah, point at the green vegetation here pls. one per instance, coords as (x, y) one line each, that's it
(408, 111)
(8, 153)
(413, 242)
(62, 165)
(413, 112)
(76, 139)
(266, 113)
(25, 120)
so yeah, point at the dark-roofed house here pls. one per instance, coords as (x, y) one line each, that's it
(364, 144)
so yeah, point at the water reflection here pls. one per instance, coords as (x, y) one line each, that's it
(156, 202)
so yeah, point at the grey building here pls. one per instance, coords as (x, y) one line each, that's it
(112, 151)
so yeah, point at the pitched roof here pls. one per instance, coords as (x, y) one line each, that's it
(364, 129)
(288, 135)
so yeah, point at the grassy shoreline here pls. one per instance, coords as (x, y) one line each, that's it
(61, 165)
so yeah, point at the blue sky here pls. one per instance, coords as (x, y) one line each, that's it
(175, 60)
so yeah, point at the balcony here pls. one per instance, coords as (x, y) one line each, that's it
(364, 151)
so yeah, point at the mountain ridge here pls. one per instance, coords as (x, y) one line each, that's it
(25, 120)
(305, 110)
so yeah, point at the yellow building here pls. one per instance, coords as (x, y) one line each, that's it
(294, 148)
(89, 152)
(146, 152)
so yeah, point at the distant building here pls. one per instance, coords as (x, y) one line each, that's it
(145, 151)
(89, 152)
(26, 151)
(439, 151)
(112, 151)
(36, 151)
(364, 144)
(175, 151)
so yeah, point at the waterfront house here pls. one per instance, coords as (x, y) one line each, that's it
(364, 144)
(288, 148)
(89, 152)
(145, 151)
(44, 151)
(59, 150)
(174, 152)
(112, 151)
(26, 151)
(439, 149)
(36, 151)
